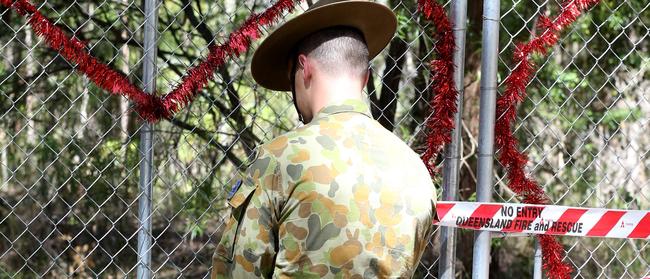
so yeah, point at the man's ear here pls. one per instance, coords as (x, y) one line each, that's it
(306, 66)
(366, 78)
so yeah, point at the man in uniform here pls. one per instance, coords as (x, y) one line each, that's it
(341, 196)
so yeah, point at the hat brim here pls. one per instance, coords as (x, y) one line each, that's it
(270, 67)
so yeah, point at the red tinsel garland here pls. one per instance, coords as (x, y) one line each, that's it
(510, 157)
(441, 123)
(150, 106)
(237, 43)
(74, 51)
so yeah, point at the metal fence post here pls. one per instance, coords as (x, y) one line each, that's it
(489, 62)
(146, 145)
(537, 269)
(451, 172)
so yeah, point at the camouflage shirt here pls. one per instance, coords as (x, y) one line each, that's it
(340, 197)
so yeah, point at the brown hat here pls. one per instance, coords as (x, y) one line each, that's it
(377, 23)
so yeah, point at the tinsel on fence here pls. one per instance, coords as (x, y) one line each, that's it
(441, 123)
(74, 50)
(513, 160)
(150, 106)
(238, 42)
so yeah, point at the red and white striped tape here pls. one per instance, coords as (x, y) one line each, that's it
(545, 219)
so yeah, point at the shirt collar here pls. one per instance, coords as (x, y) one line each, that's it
(348, 105)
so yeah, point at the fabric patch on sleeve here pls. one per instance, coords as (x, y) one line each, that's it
(234, 189)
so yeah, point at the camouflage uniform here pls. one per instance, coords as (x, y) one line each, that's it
(340, 197)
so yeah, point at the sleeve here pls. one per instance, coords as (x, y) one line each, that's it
(249, 243)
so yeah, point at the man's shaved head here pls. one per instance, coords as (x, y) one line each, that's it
(338, 50)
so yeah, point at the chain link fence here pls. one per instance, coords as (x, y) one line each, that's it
(582, 125)
(71, 155)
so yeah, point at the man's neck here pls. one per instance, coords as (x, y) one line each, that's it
(336, 91)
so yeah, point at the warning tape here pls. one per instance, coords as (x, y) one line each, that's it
(545, 219)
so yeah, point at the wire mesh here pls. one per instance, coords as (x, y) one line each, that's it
(581, 125)
(69, 157)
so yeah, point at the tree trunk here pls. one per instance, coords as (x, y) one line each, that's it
(385, 104)
(31, 97)
(124, 103)
(4, 162)
(8, 53)
(85, 92)
(83, 109)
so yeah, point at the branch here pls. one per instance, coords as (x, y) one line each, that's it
(234, 112)
(198, 24)
(205, 134)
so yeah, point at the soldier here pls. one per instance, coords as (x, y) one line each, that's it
(340, 196)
